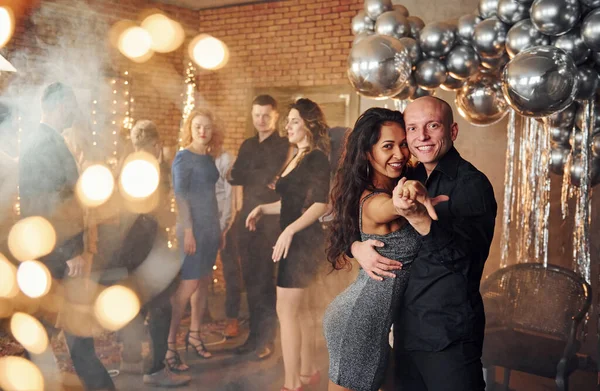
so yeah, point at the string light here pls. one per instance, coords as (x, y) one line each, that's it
(190, 88)
(17, 207)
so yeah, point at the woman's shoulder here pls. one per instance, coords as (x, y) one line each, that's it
(317, 157)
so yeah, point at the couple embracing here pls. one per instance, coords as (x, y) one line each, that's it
(421, 235)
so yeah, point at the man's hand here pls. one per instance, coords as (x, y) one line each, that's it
(376, 265)
(77, 266)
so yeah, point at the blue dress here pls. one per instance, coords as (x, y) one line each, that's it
(194, 178)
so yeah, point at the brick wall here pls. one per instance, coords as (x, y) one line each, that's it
(276, 44)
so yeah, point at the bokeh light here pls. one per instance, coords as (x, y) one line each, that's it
(167, 35)
(19, 374)
(95, 185)
(209, 52)
(140, 175)
(116, 31)
(8, 278)
(135, 42)
(34, 279)
(31, 238)
(29, 332)
(116, 306)
(7, 25)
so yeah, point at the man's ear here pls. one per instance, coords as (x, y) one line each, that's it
(454, 131)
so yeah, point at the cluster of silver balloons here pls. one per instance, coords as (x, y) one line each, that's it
(536, 56)
(566, 142)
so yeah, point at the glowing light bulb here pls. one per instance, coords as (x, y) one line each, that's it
(31, 238)
(208, 52)
(140, 175)
(95, 185)
(19, 374)
(167, 35)
(29, 332)
(8, 278)
(33, 278)
(7, 25)
(116, 306)
(135, 42)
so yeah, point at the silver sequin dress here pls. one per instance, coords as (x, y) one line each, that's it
(358, 321)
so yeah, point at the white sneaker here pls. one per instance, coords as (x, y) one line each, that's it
(166, 378)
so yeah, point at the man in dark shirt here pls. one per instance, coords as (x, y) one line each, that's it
(47, 178)
(260, 160)
(439, 331)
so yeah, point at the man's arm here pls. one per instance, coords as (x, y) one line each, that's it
(453, 240)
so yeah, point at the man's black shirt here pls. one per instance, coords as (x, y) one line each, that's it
(442, 303)
(256, 167)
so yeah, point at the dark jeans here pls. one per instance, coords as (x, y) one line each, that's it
(258, 270)
(158, 311)
(232, 274)
(456, 368)
(88, 366)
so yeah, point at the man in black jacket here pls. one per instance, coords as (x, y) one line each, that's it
(47, 178)
(259, 161)
(440, 327)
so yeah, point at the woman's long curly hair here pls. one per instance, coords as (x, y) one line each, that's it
(353, 177)
(314, 120)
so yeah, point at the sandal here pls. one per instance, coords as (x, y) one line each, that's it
(200, 349)
(174, 362)
(311, 380)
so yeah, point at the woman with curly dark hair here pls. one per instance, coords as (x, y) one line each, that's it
(358, 321)
(304, 189)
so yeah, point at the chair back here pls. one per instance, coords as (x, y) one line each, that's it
(535, 299)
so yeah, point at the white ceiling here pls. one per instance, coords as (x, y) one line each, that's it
(205, 4)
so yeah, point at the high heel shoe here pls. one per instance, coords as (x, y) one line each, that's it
(174, 362)
(313, 379)
(200, 349)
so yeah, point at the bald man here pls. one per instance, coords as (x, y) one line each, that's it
(438, 335)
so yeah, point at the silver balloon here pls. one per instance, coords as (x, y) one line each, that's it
(560, 135)
(436, 39)
(462, 62)
(540, 81)
(465, 28)
(555, 17)
(576, 140)
(590, 30)
(494, 64)
(407, 90)
(524, 35)
(487, 8)
(392, 23)
(378, 66)
(489, 37)
(590, 3)
(511, 11)
(558, 158)
(596, 57)
(430, 73)
(402, 9)
(576, 170)
(421, 92)
(361, 36)
(374, 8)
(452, 84)
(416, 25)
(525, 1)
(480, 100)
(414, 51)
(579, 117)
(564, 118)
(587, 82)
(596, 146)
(362, 23)
(573, 44)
